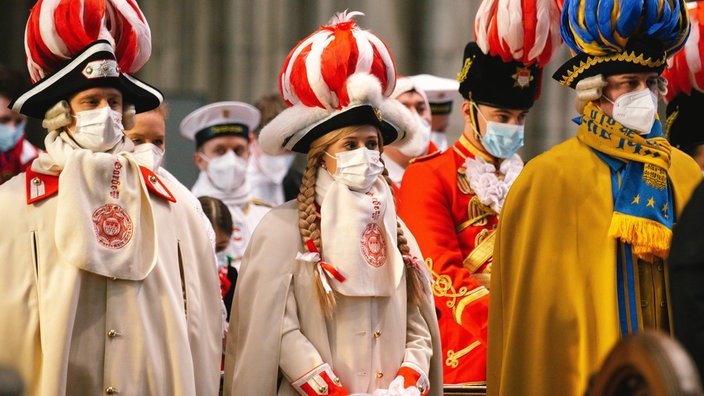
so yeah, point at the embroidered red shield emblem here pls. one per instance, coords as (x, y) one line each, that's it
(373, 245)
(113, 226)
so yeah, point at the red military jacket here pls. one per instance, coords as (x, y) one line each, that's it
(449, 222)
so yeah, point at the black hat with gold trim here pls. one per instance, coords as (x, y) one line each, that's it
(488, 80)
(503, 68)
(683, 113)
(613, 37)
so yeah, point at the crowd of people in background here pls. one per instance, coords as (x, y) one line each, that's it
(334, 241)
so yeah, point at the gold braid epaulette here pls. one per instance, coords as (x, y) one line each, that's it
(671, 120)
(621, 57)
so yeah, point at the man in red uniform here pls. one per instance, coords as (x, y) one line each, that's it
(16, 152)
(451, 201)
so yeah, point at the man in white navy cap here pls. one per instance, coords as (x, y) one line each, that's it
(112, 287)
(221, 132)
(440, 92)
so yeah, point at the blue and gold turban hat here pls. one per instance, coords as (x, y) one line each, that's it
(620, 36)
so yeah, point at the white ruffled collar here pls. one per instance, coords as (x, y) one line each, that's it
(489, 185)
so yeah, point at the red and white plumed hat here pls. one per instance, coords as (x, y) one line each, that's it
(684, 71)
(523, 31)
(338, 76)
(514, 40)
(73, 45)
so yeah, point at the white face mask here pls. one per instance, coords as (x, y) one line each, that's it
(636, 110)
(98, 130)
(226, 172)
(357, 169)
(149, 155)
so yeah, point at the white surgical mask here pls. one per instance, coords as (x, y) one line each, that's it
(636, 110)
(148, 155)
(501, 140)
(357, 169)
(226, 172)
(98, 130)
(9, 136)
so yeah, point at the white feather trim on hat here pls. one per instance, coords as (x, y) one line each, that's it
(289, 127)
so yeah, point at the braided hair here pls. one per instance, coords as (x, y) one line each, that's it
(309, 222)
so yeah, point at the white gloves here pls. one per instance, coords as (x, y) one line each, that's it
(396, 389)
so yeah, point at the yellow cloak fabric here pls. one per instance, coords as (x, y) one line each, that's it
(553, 312)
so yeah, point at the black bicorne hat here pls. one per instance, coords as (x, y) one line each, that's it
(95, 66)
(488, 80)
(683, 114)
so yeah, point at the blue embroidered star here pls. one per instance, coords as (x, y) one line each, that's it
(636, 200)
(651, 202)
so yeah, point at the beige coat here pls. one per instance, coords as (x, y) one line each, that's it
(273, 284)
(71, 332)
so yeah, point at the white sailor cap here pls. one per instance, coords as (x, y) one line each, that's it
(220, 119)
(440, 91)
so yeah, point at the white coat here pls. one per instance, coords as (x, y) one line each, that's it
(71, 332)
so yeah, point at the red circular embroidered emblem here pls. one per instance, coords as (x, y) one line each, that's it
(373, 245)
(113, 226)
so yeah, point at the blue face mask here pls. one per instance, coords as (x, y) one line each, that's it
(9, 136)
(502, 140)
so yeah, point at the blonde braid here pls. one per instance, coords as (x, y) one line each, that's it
(309, 226)
(415, 285)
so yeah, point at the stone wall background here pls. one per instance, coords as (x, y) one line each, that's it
(212, 50)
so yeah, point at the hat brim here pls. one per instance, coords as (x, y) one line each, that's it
(358, 115)
(583, 65)
(69, 80)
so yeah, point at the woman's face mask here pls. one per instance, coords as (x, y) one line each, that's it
(636, 110)
(357, 169)
(226, 172)
(98, 130)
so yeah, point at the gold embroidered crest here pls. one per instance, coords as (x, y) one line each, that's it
(377, 112)
(522, 77)
(655, 176)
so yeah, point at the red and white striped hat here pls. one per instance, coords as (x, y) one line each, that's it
(57, 30)
(523, 31)
(65, 41)
(338, 76)
(684, 71)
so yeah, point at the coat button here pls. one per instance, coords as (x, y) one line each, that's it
(36, 181)
(111, 390)
(152, 179)
(113, 333)
(379, 374)
(377, 334)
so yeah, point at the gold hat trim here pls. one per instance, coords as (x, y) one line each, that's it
(629, 57)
